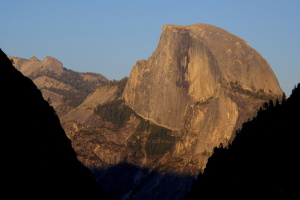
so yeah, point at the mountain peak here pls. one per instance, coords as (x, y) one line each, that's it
(50, 59)
(202, 79)
(34, 59)
(53, 64)
(191, 26)
(198, 29)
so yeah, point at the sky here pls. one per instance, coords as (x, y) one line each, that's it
(109, 37)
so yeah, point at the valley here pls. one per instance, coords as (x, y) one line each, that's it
(149, 135)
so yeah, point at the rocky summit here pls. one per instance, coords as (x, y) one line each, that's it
(202, 82)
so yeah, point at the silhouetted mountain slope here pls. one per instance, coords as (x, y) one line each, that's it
(37, 158)
(263, 160)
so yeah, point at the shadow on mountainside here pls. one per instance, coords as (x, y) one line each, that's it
(263, 160)
(38, 160)
(127, 181)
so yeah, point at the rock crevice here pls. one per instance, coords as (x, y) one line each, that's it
(198, 80)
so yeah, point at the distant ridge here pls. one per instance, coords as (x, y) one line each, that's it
(65, 88)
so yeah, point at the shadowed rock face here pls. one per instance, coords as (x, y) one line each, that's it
(203, 82)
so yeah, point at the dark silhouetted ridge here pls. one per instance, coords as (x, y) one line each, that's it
(38, 160)
(263, 160)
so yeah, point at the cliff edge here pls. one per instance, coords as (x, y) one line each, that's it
(202, 82)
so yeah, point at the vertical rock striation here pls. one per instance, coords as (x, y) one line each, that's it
(202, 82)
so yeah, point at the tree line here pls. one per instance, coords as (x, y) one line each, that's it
(261, 162)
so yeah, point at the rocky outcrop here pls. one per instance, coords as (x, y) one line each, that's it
(34, 65)
(203, 82)
(83, 118)
(85, 110)
(65, 88)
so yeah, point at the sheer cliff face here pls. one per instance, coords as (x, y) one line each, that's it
(200, 79)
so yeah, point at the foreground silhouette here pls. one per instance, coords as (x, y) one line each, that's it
(37, 158)
(263, 160)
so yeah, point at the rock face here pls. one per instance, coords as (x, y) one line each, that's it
(85, 111)
(203, 82)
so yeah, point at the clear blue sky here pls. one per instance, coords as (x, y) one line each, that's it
(108, 37)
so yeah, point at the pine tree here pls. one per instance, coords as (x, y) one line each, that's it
(283, 100)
